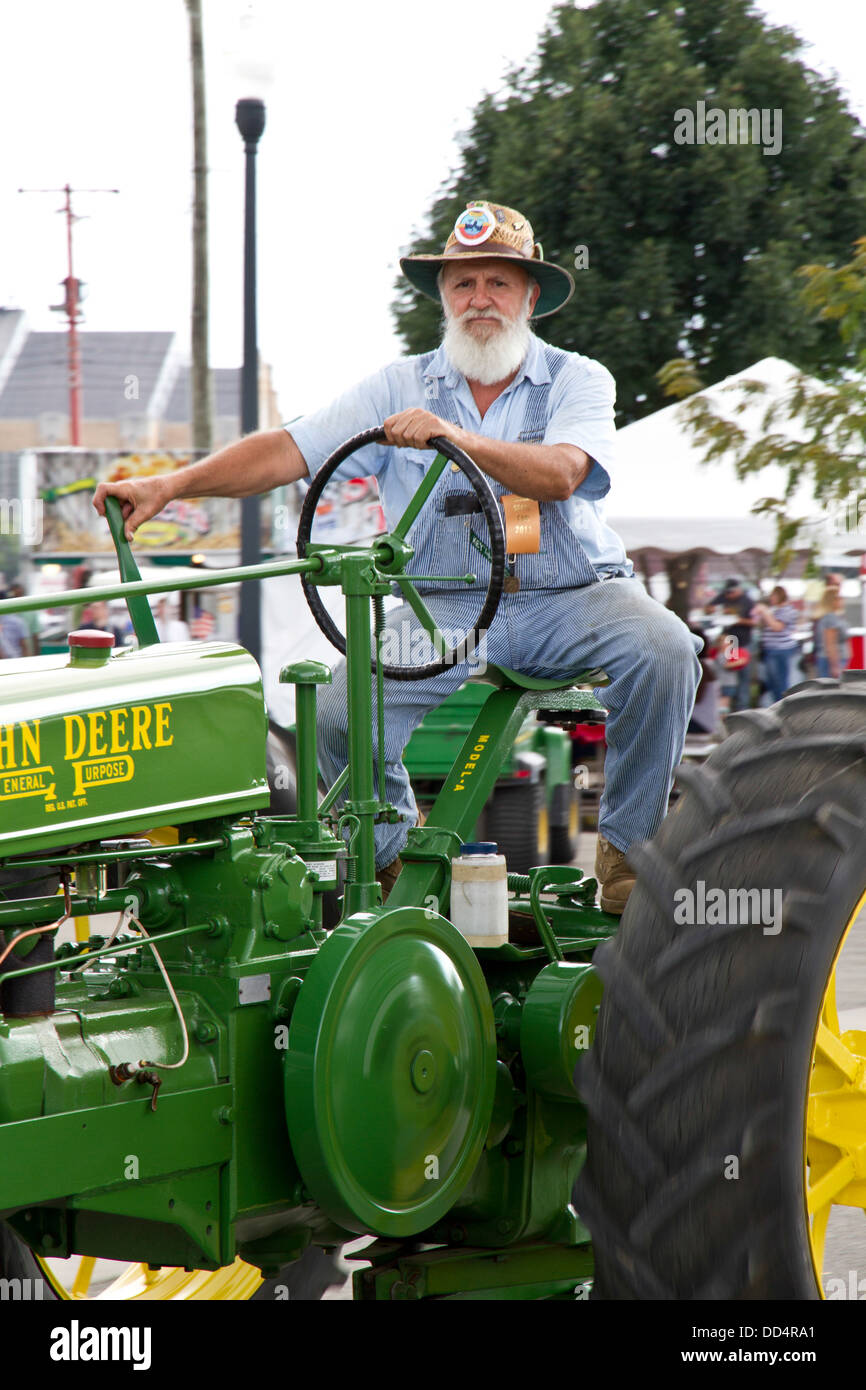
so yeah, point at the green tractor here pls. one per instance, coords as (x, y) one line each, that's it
(220, 1091)
(531, 813)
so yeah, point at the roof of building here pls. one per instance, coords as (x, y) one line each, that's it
(119, 373)
(9, 321)
(226, 394)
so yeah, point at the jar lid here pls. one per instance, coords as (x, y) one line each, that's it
(91, 637)
(480, 847)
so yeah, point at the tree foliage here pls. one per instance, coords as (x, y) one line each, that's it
(692, 248)
(827, 449)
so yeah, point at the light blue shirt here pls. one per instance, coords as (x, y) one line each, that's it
(579, 411)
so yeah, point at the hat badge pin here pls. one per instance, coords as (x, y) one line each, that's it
(474, 225)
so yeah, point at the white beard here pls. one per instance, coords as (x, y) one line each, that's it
(491, 361)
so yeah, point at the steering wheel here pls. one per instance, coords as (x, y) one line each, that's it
(490, 509)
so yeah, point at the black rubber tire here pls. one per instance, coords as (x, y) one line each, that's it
(512, 819)
(17, 1261)
(282, 771)
(306, 1280)
(562, 837)
(706, 1033)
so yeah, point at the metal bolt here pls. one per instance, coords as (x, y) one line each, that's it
(226, 1115)
(205, 1032)
(514, 1147)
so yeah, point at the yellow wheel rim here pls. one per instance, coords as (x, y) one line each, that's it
(835, 1147)
(76, 1280)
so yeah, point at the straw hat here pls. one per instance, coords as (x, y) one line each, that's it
(501, 233)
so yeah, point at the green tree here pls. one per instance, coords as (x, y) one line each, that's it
(692, 248)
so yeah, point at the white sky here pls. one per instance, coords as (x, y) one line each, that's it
(364, 102)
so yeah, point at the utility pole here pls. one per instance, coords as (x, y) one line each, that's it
(200, 377)
(71, 301)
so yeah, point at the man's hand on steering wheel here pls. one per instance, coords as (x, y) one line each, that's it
(412, 429)
(420, 421)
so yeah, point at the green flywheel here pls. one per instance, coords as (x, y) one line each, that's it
(390, 1071)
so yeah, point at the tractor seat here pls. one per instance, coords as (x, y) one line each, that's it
(555, 702)
(503, 676)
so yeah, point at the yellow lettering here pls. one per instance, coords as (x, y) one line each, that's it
(473, 757)
(30, 742)
(7, 746)
(140, 726)
(96, 719)
(74, 724)
(162, 713)
(118, 731)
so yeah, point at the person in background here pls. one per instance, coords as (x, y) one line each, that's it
(831, 635)
(79, 579)
(102, 617)
(202, 625)
(736, 642)
(777, 618)
(14, 637)
(30, 620)
(169, 626)
(705, 715)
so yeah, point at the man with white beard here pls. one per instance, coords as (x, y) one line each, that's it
(539, 422)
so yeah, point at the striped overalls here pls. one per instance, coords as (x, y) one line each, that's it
(562, 619)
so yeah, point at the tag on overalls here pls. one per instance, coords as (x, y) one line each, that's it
(522, 525)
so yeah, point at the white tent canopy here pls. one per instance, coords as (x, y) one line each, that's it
(663, 494)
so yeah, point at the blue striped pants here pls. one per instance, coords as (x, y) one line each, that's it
(649, 655)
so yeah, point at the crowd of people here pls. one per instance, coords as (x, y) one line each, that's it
(755, 648)
(20, 632)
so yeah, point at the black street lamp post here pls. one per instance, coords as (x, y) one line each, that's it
(250, 120)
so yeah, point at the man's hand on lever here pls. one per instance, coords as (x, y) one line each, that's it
(140, 499)
(255, 464)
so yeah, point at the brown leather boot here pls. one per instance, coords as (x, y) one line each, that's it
(615, 878)
(388, 876)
